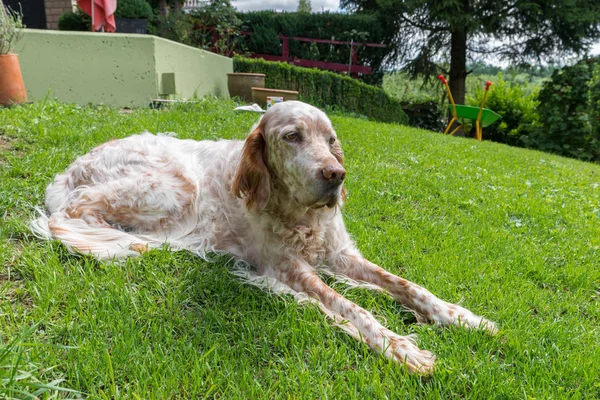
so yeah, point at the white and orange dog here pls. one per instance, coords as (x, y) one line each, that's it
(273, 201)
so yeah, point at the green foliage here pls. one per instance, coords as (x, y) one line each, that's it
(424, 114)
(133, 9)
(594, 94)
(265, 40)
(482, 68)
(539, 71)
(420, 99)
(568, 107)
(406, 88)
(170, 6)
(163, 7)
(74, 21)
(304, 6)
(199, 27)
(516, 107)
(512, 95)
(175, 26)
(268, 25)
(326, 89)
(217, 17)
(422, 34)
(11, 28)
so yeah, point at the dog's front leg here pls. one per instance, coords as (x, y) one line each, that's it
(426, 306)
(302, 278)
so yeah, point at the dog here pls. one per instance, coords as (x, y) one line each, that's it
(272, 201)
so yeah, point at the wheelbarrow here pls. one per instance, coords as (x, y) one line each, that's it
(483, 117)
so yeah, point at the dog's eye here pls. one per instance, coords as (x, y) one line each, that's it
(331, 140)
(292, 137)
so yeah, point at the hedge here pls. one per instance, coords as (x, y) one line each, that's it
(74, 21)
(326, 89)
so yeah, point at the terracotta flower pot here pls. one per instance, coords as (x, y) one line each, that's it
(240, 84)
(12, 89)
(259, 95)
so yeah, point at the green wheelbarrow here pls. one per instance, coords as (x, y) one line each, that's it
(483, 117)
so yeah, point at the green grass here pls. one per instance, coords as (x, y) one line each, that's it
(512, 234)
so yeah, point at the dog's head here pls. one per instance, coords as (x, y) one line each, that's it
(295, 144)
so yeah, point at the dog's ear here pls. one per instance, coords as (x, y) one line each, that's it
(337, 152)
(252, 178)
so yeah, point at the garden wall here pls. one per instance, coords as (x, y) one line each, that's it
(123, 70)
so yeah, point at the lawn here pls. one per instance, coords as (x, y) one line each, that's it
(511, 234)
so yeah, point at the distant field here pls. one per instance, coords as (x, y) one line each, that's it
(401, 86)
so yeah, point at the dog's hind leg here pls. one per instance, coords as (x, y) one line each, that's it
(122, 217)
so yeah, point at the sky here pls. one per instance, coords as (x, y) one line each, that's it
(317, 5)
(284, 5)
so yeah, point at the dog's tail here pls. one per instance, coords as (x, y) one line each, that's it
(101, 241)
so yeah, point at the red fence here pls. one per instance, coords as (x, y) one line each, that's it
(353, 67)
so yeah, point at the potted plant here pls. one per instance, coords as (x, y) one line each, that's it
(240, 84)
(12, 89)
(132, 16)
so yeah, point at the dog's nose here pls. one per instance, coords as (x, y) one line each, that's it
(334, 174)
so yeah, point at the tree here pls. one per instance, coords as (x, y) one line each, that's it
(422, 33)
(304, 6)
(163, 6)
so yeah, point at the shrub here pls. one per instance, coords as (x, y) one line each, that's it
(595, 98)
(265, 40)
(175, 26)
(419, 100)
(217, 17)
(74, 21)
(133, 9)
(164, 7)
(516, 107)
(424, 114)
(568, 110)
(326, 89)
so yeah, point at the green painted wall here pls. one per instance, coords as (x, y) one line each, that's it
(115, 69)
(196, 71)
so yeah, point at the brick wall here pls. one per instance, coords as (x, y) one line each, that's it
(54, 9)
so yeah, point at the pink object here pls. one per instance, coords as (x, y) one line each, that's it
(488, 84)
(103, 14)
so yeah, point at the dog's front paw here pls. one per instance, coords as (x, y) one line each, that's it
(487, 326)
(403, 350)
(465, 318)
